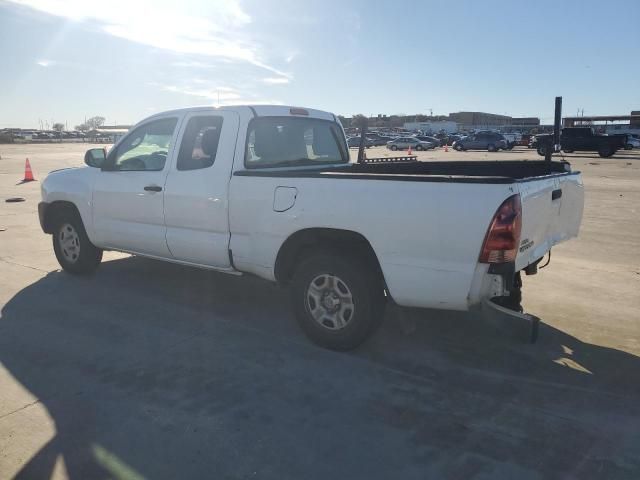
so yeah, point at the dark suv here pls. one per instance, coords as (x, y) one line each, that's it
(582, 139)
(481, 141)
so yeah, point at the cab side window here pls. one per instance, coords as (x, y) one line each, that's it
(199, 143)
(146, 148)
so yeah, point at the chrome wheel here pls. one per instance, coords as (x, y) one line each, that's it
(69, 242)
(330, 302)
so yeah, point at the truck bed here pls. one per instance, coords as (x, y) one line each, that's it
(451, 171)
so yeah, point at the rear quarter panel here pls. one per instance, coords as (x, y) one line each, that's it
(427, 235)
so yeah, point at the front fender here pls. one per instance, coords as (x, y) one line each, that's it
(74, 185)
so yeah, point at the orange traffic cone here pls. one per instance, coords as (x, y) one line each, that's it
(409, 152)
(446, 147)
(28, 173)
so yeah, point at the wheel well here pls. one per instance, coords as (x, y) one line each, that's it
(56, 208)
(304, 241)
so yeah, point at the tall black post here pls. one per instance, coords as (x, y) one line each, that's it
(364, 122)
(556, 131)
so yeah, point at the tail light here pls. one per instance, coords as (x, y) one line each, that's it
(503, 237)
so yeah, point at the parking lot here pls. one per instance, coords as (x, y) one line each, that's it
(152, 370)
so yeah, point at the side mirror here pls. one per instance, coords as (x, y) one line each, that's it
(95, 157)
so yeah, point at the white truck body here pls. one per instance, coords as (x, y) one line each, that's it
(426, 230)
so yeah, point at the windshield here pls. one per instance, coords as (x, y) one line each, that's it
(294, 141)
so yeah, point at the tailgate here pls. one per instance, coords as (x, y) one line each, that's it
(551, 213)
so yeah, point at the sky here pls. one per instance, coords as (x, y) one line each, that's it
(65, 60)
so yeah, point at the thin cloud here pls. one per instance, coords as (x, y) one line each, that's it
(220, 95)
(276, 80)
(44, 63)
(148, 23)
(291, 57)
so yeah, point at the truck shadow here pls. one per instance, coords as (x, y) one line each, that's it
(168, 372)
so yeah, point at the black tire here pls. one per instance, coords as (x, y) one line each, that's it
(541, 151)
(394, 147)
(491, 147)
(82, 257)
(567, 151)
(361, 281)
(419, 148)
(628, 146)
(606, 151)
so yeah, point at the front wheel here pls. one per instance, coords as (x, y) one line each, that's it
(74, 251)
(606, 151)
(419, 148)
(394, 147)
(542, 151)
(491, 147)
(338, 300)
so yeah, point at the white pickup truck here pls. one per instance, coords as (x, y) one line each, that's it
(270, 191)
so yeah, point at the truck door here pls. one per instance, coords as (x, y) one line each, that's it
(128, 191)
(196, 191)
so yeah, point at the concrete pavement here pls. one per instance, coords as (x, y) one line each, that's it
(151, 370)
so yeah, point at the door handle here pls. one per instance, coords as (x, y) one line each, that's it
(556, 194)
(153, 188)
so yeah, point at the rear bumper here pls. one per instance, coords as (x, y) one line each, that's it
(523, 326)
(42, 215)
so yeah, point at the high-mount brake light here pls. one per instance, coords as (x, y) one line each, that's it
(503, 236)
(298, 111)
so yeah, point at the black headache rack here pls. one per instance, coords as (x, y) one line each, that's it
(406, 158)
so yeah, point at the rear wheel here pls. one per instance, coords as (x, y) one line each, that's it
(491, 147)
(394, 147)
(419, 147)
(542, 151)
(567, 151)
(74, 251)
(338, 300)
(606, 151)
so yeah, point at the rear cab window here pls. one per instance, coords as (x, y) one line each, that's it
(199, 143)
(294, 141)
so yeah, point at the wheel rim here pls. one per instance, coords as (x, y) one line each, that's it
(330, 301)
(69, 242)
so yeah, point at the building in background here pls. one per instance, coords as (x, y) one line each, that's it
(436, 126)
(492, 121)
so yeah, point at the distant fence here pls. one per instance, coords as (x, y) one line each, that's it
(10, 139)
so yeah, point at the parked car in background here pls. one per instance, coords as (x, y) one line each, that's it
(377, 140)
(426, 138)
(490, 141)
(452, 138)
(402, 143)
(511, 138)
(632, 142)
(524, 140)
(354, 142)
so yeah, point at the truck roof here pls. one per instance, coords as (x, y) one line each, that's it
(256, 110)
